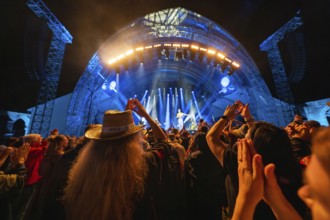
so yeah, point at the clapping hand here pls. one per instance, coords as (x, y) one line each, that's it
(243, 109)
(250, 172)
(231, 111)
(256, 183)
(4, 153)
(250, 180)
(19, 156)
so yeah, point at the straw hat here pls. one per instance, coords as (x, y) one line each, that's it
(116, 124)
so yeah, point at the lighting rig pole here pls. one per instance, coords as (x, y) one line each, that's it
(43, 111)
(278, 70)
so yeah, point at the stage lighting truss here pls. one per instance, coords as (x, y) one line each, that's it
(178, 52)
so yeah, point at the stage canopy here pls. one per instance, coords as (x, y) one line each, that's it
(171, 60)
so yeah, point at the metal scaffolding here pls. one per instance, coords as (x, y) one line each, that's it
(43, 111)
(174, 25)
(278, 70)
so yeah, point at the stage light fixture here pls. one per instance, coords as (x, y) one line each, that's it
(230, 71)
(112, 86)
(112, 61)
(129, 52)
(139, 49)
(223, 67)
(117, 69)
(188, 52)
(221, 55)
(225, 63)
(235, 64)
(121, 56)
(194, 47)
(225, 81)
(212, 52)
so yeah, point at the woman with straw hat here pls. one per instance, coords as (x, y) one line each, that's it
(108, 179)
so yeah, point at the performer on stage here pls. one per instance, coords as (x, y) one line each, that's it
(179, 116)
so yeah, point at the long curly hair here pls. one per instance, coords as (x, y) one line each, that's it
(106, 180)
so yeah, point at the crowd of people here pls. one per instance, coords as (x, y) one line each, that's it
(120, 170)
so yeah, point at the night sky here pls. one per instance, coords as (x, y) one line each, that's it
(91, 22)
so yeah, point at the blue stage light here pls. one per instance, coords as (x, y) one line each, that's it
(225, 81)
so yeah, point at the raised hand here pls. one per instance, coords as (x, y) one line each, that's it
(20, 155)
(250, 172)
(4, 154)
(290, 129)
(272, 189)
(244, 110)
(137, 107)
(251, 180)
(274, 197)
(231, 111)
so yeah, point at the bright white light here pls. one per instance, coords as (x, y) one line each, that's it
(104, 86)
(235, 64)
(121, 56)
(194, 47)
(175, 45)
(225, 81)
(112, 86)
(129, 52)
(228, 60)
(221, 55)
(112, 61)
